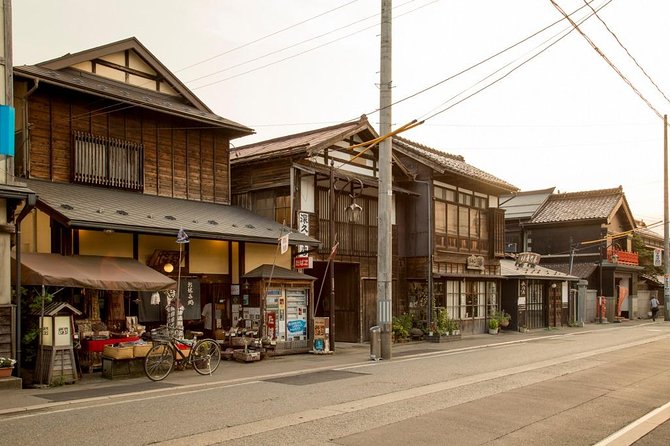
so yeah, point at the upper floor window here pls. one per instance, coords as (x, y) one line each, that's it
(461, 219)
(109, 162)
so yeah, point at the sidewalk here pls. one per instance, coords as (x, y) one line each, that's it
(92, 387)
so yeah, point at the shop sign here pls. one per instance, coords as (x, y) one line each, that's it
(528, 258)
(658, 257)
(303, 262)
(475, 262)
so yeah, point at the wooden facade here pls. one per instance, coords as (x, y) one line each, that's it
(277, 165)
(179, 159)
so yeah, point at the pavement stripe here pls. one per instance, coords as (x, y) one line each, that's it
(638, 428)
(269, 424)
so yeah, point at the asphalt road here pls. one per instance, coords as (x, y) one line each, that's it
(574, 389)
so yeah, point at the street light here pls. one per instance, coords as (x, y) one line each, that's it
(354, 211)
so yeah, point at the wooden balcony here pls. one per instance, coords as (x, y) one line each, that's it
(622, 257)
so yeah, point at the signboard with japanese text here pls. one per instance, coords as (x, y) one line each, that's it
(189, 297)
(658, 257)
(303, 262)
(303, 228)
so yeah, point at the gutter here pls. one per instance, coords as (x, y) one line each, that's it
(31, 200)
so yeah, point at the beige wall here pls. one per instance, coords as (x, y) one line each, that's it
(149, 243)
(36, 232)
(256, 254)
(208, 256)
(98, 243)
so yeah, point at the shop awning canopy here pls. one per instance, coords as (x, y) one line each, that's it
(95, 272)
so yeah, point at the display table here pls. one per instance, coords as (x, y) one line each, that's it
(91, 350)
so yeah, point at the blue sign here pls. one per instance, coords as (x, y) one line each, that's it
(298, 326)
(6, 130)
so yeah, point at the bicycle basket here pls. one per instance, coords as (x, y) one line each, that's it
(161, 334)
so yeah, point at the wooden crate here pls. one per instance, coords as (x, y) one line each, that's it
(117, 352)
(242, 356)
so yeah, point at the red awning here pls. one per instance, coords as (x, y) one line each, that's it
(95, 272)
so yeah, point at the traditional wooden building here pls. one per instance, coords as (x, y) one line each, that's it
(456, 204)
(445, 220)
(122, 156)
(589, 235)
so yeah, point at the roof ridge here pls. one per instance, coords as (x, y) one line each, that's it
(429, 149)
(362, 119)
(587, 193)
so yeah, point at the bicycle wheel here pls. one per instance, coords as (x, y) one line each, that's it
(206, 356)
(159, 361)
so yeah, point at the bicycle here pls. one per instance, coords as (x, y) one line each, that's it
(204, 354)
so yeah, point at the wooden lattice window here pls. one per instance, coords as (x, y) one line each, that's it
(109, 162)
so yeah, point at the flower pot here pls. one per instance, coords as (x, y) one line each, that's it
(6, 372)
(504, 323)
(493, 331)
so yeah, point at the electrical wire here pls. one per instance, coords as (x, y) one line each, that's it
(628, 52)
(566, 33)
(606, 59)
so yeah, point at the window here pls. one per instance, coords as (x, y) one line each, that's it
(461, 219)
(470, 299)
(107, 162)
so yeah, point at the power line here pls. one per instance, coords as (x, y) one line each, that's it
(606, 59)
(513, 69)
(628, 52)
(293, 56)
(244, 45)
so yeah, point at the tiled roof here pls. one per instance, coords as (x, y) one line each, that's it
(581, 270)
(509, 269)
(524, 204)
(450, 163)
(99, 208)
(125, 93)
(579, 206)
(266, 271)
(298, 143)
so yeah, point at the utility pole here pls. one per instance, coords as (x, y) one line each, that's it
(666, 224)
(384, 252)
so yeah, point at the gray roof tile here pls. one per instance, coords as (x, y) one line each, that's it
(99, 208)
(579, 206)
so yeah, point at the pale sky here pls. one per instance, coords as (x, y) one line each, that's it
(563, 119)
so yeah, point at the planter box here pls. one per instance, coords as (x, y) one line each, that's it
(442, 338)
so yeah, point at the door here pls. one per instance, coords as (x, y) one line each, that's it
(555, 306)
(347, 298)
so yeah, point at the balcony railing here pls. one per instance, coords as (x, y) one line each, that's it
(623, 257)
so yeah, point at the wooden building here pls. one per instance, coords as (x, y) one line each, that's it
(588, 234)
(433, 193)
(122, 156)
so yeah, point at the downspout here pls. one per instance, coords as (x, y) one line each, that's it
(31, 200)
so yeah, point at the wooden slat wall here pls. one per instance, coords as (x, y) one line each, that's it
(192, 164)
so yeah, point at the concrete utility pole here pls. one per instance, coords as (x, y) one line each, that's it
(384, 252)
(666, 224)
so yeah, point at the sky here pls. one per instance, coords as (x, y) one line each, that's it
(545, 113)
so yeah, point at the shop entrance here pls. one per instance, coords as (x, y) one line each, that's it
(347, 298)
(555, 306)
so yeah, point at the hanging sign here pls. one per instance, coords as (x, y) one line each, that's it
(658, 257)
(303, 262)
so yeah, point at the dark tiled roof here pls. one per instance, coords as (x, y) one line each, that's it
(581, 270)
(450, 163)
(579, 206)
(98, 208)
(303, 142)
(125, 93)
(264, 272)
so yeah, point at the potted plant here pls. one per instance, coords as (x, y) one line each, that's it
(493, 325)
(6, 366)
(503, 318)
